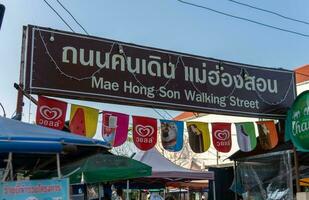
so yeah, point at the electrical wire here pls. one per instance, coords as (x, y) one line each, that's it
(86, 33)
(72, 16)
(59, 16)
(244, 19)
(4, 114)
(168, 114)
(269, 11)
(159, 113)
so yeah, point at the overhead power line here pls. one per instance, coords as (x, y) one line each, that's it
(67, 10)
(168, 114)
(4, 114)
(59, 16)
(269, 11)
(244, 19)
(159, 113)
(72, 16)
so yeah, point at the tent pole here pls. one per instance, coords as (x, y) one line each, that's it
(164, 193)
(214, 189)
(128, 183)
(11, 165)
(140, 194)
(58, 165)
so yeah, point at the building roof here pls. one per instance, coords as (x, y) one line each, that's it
(185, 116)
(302, 74)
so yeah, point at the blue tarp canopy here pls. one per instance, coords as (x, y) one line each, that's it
(20, 137)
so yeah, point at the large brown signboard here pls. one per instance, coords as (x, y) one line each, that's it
(69, 65)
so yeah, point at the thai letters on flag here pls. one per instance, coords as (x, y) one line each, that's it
(246, 136)
(199, 138)
(268, 135)
(221, 136)
(172, 135)
(144, 132)
(51, 113)
(115, 128)
(83, 120)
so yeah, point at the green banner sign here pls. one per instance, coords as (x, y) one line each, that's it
(297, 122)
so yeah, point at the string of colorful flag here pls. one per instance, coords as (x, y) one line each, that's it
(51, 113)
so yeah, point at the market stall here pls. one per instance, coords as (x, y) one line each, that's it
(166, 173)
(29, 147)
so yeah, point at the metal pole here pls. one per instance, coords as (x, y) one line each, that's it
(214, 189)
(58, 165)
(128, 183)
(296, 169)
(235, 178)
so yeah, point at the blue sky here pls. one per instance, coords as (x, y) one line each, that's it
(165, 24)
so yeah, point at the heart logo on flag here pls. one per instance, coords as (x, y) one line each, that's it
(144, 131)
(50, 113)
(222, 134)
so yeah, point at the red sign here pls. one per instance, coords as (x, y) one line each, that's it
(221, 136)
(51, 113)
(144, 132)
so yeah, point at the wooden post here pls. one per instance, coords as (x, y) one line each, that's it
(20, 103)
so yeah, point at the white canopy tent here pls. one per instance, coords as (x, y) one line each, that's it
(164, 168)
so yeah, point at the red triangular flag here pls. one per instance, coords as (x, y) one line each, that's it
(221, 136)
(51, 113)
(144, 132)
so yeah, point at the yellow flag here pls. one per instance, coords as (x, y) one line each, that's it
(83, 120)
(199, 138)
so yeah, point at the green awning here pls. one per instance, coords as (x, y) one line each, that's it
(102, 168)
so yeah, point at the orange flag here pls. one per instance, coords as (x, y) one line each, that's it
(268, 135)
(83, 120)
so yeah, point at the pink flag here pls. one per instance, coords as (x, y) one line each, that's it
(115, 128)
